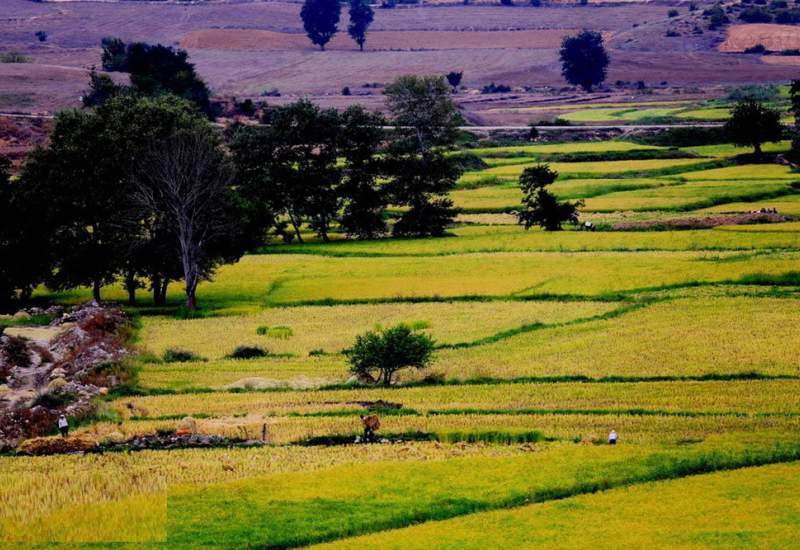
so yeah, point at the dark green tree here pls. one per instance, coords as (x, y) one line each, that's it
(361, 16)
(539, 206)
(426, 121)
(114, 57)
(101, 88)
(379, 355)
(24, 240)
(584, 60)
(360, 136)
(454, 79)
(320, 20)
(83, 205)
(752, 124)
(794, 97)
(158, 69)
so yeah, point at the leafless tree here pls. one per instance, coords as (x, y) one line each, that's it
(185, 180)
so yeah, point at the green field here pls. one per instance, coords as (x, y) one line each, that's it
(686, 342)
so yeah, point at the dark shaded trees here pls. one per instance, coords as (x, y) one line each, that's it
(539, 206)
(186, 182)
(454, 79)
(379, 355)
(114, 56)
(80, 186)
(752, 124)
(320, 20)
(289, 168)
(154, 70)
(360, 136)
(361, 16)
(584, 60)
(426, 120)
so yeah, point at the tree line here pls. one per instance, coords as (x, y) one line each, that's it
(145, 190)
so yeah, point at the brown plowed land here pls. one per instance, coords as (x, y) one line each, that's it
(251, 39)
(774, 37)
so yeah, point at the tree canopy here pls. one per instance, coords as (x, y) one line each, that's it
(361, 16)
(584, 60)
(320, 20)
(381, 354)
(752, 124)
(539, 206)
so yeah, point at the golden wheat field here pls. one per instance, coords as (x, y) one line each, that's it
(682, 339)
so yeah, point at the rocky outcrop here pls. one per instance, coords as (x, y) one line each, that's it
(60, 369)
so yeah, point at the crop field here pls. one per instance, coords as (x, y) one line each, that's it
(683, 341)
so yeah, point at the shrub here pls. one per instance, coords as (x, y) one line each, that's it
(316, 352)
(755, 15)
(672, 33)
(496, 89)
(673, 13)
(506, 2)
(717, 17)
(42, 36)
(757, 49)
(787, 17)
(418, 325)
(13, 57)
(180, 356)
(248, 352)
(55, 400)
(385, 352)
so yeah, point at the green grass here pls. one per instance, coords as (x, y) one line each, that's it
(298, 509)
(753, 507)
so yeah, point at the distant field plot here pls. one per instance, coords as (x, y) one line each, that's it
(292, 372)
(753, 504)
(636, 343)
(512, 238)
(773, 37)
(253, 39)
(744, 172)
(600, 167)
(693, 398)
(785, 205)
(730, 150)
(689, 196)
(334, 328)
(576, 147)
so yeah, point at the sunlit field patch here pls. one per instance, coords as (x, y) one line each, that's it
(710, 331)
(744, 172)
(605, 167)
(756, 505)
(576, 147)
(332, 329)
(688, 196)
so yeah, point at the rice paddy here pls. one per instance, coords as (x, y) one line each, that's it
(685, 342)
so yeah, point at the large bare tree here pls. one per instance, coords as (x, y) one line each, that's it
(185, 181)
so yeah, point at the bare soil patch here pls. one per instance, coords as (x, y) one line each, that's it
(253, 39)
(774, 37)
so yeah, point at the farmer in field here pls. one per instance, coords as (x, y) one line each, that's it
(612, 438)
(371, 425)
(63, 426)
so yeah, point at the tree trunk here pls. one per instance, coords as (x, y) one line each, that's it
(191, 301)
(296, 229)
(130, 286)
(96, 291)
(361, 45)
(757, 147)
(162, 293)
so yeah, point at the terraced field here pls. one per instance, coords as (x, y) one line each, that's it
(683, 341)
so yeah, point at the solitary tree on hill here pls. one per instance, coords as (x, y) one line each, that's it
(752, 124)
(320, 20)
(584, 59)
(361, 16)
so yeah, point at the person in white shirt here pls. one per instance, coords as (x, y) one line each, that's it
(612, 438)
(63, 426)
